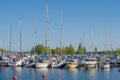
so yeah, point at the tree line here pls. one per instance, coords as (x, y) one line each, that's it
(3, 50)
(68, 50)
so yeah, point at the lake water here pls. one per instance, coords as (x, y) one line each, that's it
(7, 73)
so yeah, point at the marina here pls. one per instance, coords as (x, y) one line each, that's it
(57, 67)
(59, 40)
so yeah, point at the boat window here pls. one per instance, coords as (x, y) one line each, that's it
(90, 60)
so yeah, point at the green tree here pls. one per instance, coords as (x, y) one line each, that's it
(80, 49)
(107, 51)
(70, 50)
(67, 50)
(118, 51)
(84, 51)
(39, 49)
(58, 50)
(64, 50)
(47, 50)
(3, 51)
(53, 51)
(96, 50)
(32, 50)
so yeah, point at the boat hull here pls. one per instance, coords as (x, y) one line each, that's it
(105, 66)
(90, 65)
(41, 65)
(72, 66)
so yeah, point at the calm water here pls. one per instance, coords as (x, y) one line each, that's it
(59, 74)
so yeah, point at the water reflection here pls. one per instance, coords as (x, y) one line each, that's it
(92, 73)
(42, 70)
(106, 73)
(107, 70)
(17, 69)
(73, 70)
(59, 74)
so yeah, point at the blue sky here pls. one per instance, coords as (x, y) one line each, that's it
(84, 21)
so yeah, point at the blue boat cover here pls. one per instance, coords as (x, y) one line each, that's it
(44, 56)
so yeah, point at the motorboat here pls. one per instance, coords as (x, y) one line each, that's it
(72, 63)
(90, 63)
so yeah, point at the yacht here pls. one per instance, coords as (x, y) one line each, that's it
(72, 63)
(90, 63)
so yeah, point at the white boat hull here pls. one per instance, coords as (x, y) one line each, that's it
(90, 65)
(41, 65)
(16, 63)
(105, 66)
(72, 65)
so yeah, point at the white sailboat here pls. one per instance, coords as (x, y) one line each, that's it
(44, 64)
(106, 63)
(58, 64)
(41, 65)
(17, 61)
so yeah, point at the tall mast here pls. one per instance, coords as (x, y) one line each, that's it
(20, 35)
(35, 39)
(10, 40)
(111, 41)
(105, 38)
(46, 38)
(83, 43)
(92, 46)
(61, 33)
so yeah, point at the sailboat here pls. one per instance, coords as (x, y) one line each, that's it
(44, 62)
(106, 61)
(59, 62)
(16, 62)
(105, 65)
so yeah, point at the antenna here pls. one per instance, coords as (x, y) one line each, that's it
(20, 35)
